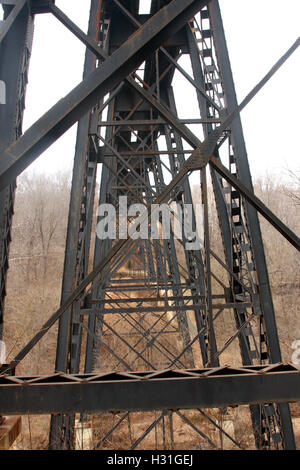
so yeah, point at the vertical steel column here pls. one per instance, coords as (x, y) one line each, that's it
(251, 213)
(224, 221)
(170, 253)
(101, 247)
(61, 435)
(237, 242)
(15, 50)
(195, 266)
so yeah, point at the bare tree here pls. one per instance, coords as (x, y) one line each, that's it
(40, 219)
(294, 194)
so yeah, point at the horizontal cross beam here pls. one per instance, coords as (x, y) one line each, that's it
(165, 308)
(154, 122)
(147, 391)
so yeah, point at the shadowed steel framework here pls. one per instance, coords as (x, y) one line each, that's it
(139, 319)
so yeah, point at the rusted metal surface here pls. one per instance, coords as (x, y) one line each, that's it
(145, 108)
(156, 390)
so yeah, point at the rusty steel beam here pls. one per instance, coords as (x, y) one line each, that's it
(147, 391)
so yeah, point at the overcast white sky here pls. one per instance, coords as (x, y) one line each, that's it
(258, 32)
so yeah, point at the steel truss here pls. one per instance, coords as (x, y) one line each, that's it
(152, 305)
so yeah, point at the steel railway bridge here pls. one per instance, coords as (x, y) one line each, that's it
(138, 331)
